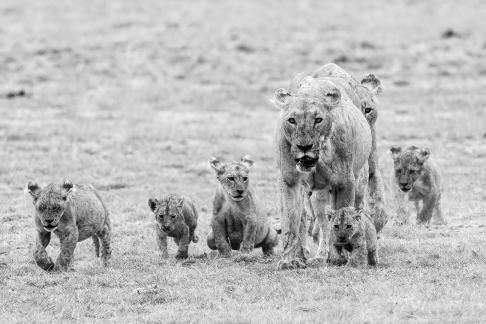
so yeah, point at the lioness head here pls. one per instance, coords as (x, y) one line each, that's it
(233, 176)
(168, 211)
(408, 165)
(50, 202)
(344, 223)
(369, 101)
(305, 117)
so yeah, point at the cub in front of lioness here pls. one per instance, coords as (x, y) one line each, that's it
(176, 217)
(352, 230)
(74, 213)
(417, 175)
(238, 223)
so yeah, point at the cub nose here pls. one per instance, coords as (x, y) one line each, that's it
(49, 221)
(305, 148)
(166, 228)
(240, 192)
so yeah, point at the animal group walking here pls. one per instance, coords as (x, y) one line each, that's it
(328, 178)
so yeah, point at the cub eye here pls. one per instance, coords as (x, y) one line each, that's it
(318, 120)
(64, 198)
(231, 179)
(245, 179)
(173, 216)
(349, 226)
(336, 226)
(367, 110)
(292, 121)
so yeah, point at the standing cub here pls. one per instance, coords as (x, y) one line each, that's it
(176, 217)
(353, 231)
(237, 221)
(73, 213)
(417, 175)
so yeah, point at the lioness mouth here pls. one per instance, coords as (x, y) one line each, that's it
(306, 162)
(239, 197)
(404, 189)
(50, 228)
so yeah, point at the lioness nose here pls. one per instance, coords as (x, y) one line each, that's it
(166, 227)
(304, 148)
(240, 192)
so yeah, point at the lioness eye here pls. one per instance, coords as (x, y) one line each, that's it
(367, 110)
(245, 179)
(292, 121)
(231, 179)
(336, 226)
(349, 226)
(173, 216)
(318, 120)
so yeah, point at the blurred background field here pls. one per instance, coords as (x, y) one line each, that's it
(135, 96)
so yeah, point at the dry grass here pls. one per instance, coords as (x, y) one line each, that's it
(134, 96)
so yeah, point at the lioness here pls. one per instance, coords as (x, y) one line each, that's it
(364, 95)
(176, 217)
(417, 175)
(73, 213)
(352, 230)
(323, 140)
(238, 222)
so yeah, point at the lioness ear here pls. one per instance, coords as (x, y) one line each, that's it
(33, 189)
(152, 202)
(67, 185)
(358, 214)
(395, 151)
(333, 96)
(180, 202)
(247, 161)
(217, 165)
(331, 214)
(373, 84)
(423, 155)
(280, 98)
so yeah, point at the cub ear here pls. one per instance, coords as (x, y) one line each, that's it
(423, 155)
(152, 202)
(331, 214)
(333, 96)
(373, 84)
(217, 165)
(395, 151)
(33, 189)
(180, 202)
(280, 98)
(247, 161)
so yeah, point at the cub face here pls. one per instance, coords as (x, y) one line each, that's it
(344, 224)
(168, 212)
(233, 176)
(408, 165)
(50, 202)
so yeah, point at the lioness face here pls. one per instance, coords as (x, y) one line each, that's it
(50, 202)
(306, 119)
(233, 176)
(168, 212)
(408, 165)
(344, 223)
(371, 88)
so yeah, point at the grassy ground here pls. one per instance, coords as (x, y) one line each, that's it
(135, 96)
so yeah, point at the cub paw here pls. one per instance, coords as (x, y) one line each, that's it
(290, 264)
(181, 255)
(315, 262)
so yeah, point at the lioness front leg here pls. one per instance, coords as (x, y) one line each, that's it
(68, 244)
(183, 244)
(162, 242)
(41, 257)
(249, 232)
(344, 195)
(320, 200)
(292, 209)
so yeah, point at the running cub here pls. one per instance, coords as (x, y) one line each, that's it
(353, 231)
(176, 217)
(237, 221)
(74, 213)
(417, 175)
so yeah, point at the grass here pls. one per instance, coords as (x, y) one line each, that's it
(134, 97)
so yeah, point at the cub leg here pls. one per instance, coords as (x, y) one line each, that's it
(221, 239)
(249, 232)
(425, 214)
(192, 236)
(358, 257)
(183, 244)
(96, 243)
(403, 212)
(438, 215)
(372, 257)
(41, 257)
(417, 207)
(335, 256)
(162, 242)
(105, 236)
(68, 244)
(271, 240)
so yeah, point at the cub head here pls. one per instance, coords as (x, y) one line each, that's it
(50, 202)
(371, 88)
(168, 211)
(408, 165)
(233, 176)
(345, 224)
(305, 117)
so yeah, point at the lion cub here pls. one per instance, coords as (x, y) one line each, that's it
(417, 175)
(176, 216)
(73, 213)
(352, 230)
(237, 221)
